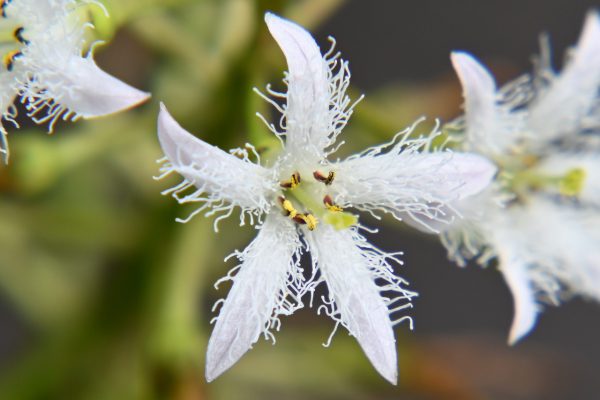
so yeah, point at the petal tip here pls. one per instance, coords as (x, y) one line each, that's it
(270, 16)
(211, 372)
(391, 376)
(522, 325)
(468, 68)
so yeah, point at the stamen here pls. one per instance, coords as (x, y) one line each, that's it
(3, 4)
(18, 34)
(327, 180)
(293, 182)
(288, 207)
(307, 219)
(330, 205)
(9, 59)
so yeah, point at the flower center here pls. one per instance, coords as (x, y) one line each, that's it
(12, 38)
(305, 204)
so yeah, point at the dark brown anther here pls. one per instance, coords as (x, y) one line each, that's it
(293, 182)
(330, 205)
(324, 179)
(306, 219)
(300, 219)
(3, 4)
(9, 59)
(18, 34)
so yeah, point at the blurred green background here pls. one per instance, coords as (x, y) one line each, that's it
(104, 296)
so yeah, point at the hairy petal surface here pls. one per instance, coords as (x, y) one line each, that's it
(406, 182)
(550, 248)
(8, 91)
(317, 107)
(72, 87)
(349, 265)
(490, 128)
(562, 107)
(257, 294)
(222, 181)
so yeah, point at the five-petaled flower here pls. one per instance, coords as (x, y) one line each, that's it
(301, 203)
(540, 219)
(41, 45)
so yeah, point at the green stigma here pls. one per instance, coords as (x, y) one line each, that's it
(340, 220)
(571, 184)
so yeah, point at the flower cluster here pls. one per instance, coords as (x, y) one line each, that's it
(303, 202)
(41, 45)
(522, 186)
(540, 219)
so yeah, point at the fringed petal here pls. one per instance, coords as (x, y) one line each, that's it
(350, 266)
(562, 107)
(403, 179)
(317, 107)
(490, 128)
(257, 297)
(548, 251)
(77, 88)
(222, 180)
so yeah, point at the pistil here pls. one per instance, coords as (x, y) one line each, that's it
(569, 184)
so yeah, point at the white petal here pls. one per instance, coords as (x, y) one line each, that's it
(404, 181)
(525, 308)
(362, 310)
(474, 171)
(97, 93)
(489, 128)
(307, 112)
(220, 175)
(33, 13)
(81, 88)
(546, 247)
(7, 95)
(571, 95)
(256, 290)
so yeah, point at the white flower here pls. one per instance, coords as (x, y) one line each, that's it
(299, 203)
(41, 45)
(541, 219)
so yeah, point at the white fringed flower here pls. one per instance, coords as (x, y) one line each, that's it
(299, 204)
(42, 43)
(541, 219)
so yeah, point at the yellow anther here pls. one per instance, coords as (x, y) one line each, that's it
(311, 221)
(334, 208)
(288, 207)
(307, 219)
(330, 205)
(9, 59)
(293, 182)
(325, 179)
